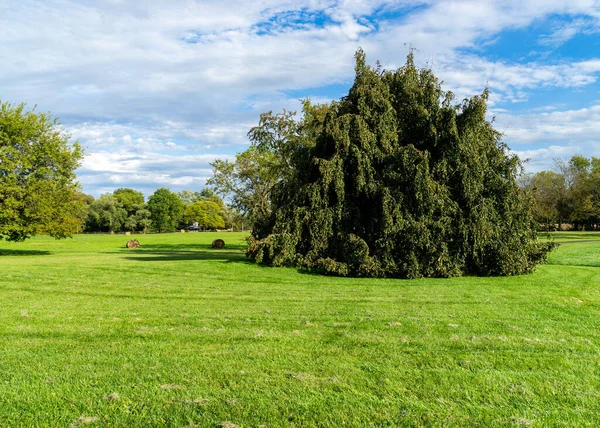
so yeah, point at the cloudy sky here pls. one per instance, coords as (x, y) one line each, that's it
(155, 90)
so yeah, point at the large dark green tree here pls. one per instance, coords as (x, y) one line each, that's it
(401, 183)
(38, 191)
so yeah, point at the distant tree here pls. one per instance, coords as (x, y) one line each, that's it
(166, 209)
(398, 183)
(206, 213)
(138, 215)
(139, 221)
(106, 214)
(188, 197)
(238, 221)
(87, 199)
(38, 191)
(550, 195)
(585, 191)
(131, 200)
(580, 203)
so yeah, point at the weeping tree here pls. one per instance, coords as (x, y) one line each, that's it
(401, 182)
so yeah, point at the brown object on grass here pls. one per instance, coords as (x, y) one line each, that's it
(132, 243)
(218, 243)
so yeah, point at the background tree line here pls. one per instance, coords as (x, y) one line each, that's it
(125, 210)
(567, 197)
(39, 193)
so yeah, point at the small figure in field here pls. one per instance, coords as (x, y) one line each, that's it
(218, 243)
(132, 243)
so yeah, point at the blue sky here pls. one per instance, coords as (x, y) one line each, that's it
(156, 90)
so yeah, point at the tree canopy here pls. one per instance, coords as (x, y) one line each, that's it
(399, 182)
(38, 191)
(571, 194)
(131, 200)
(278, 145)
(165, 208)
(206, 213)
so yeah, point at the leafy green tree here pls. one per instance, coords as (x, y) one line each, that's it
(399, 184)
(584, 176)
(38, 191)
(144, 220)
(131, 200)
(138, 215)
(279, 144)
(106, 214)
(206, 213)
(165, 209)
(188, 197)
(580, 204)
(238, 221)
(549, 193)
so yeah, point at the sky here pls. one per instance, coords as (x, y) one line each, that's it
(156, 90)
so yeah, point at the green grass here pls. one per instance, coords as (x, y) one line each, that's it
(565, 237)
(179, 334)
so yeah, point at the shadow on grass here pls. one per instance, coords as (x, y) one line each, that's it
(165, 252)
(5, 252)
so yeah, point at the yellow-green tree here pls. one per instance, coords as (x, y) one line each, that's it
(38, 190)
(206, 213)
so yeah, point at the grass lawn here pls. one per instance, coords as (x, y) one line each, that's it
(179, 334)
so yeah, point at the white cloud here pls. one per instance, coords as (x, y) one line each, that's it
(188, 79)
(543, 137)
(570, 127)
(468, 74)
(105, 171)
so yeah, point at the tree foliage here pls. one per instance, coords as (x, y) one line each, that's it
(122, 210)
(165, 209)
(206, 213)
(131, 200)
(400, 183)
(38, 191)
(278, 145)
(197, 213)
(106, 214)
(551, 200)
(582, 175)
(570, 194)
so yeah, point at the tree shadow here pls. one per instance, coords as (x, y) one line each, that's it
(197, 252)
(6, 252)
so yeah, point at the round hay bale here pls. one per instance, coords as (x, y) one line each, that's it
(218, 243)
(132, 243)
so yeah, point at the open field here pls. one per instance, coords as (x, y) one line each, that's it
(179, 334)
